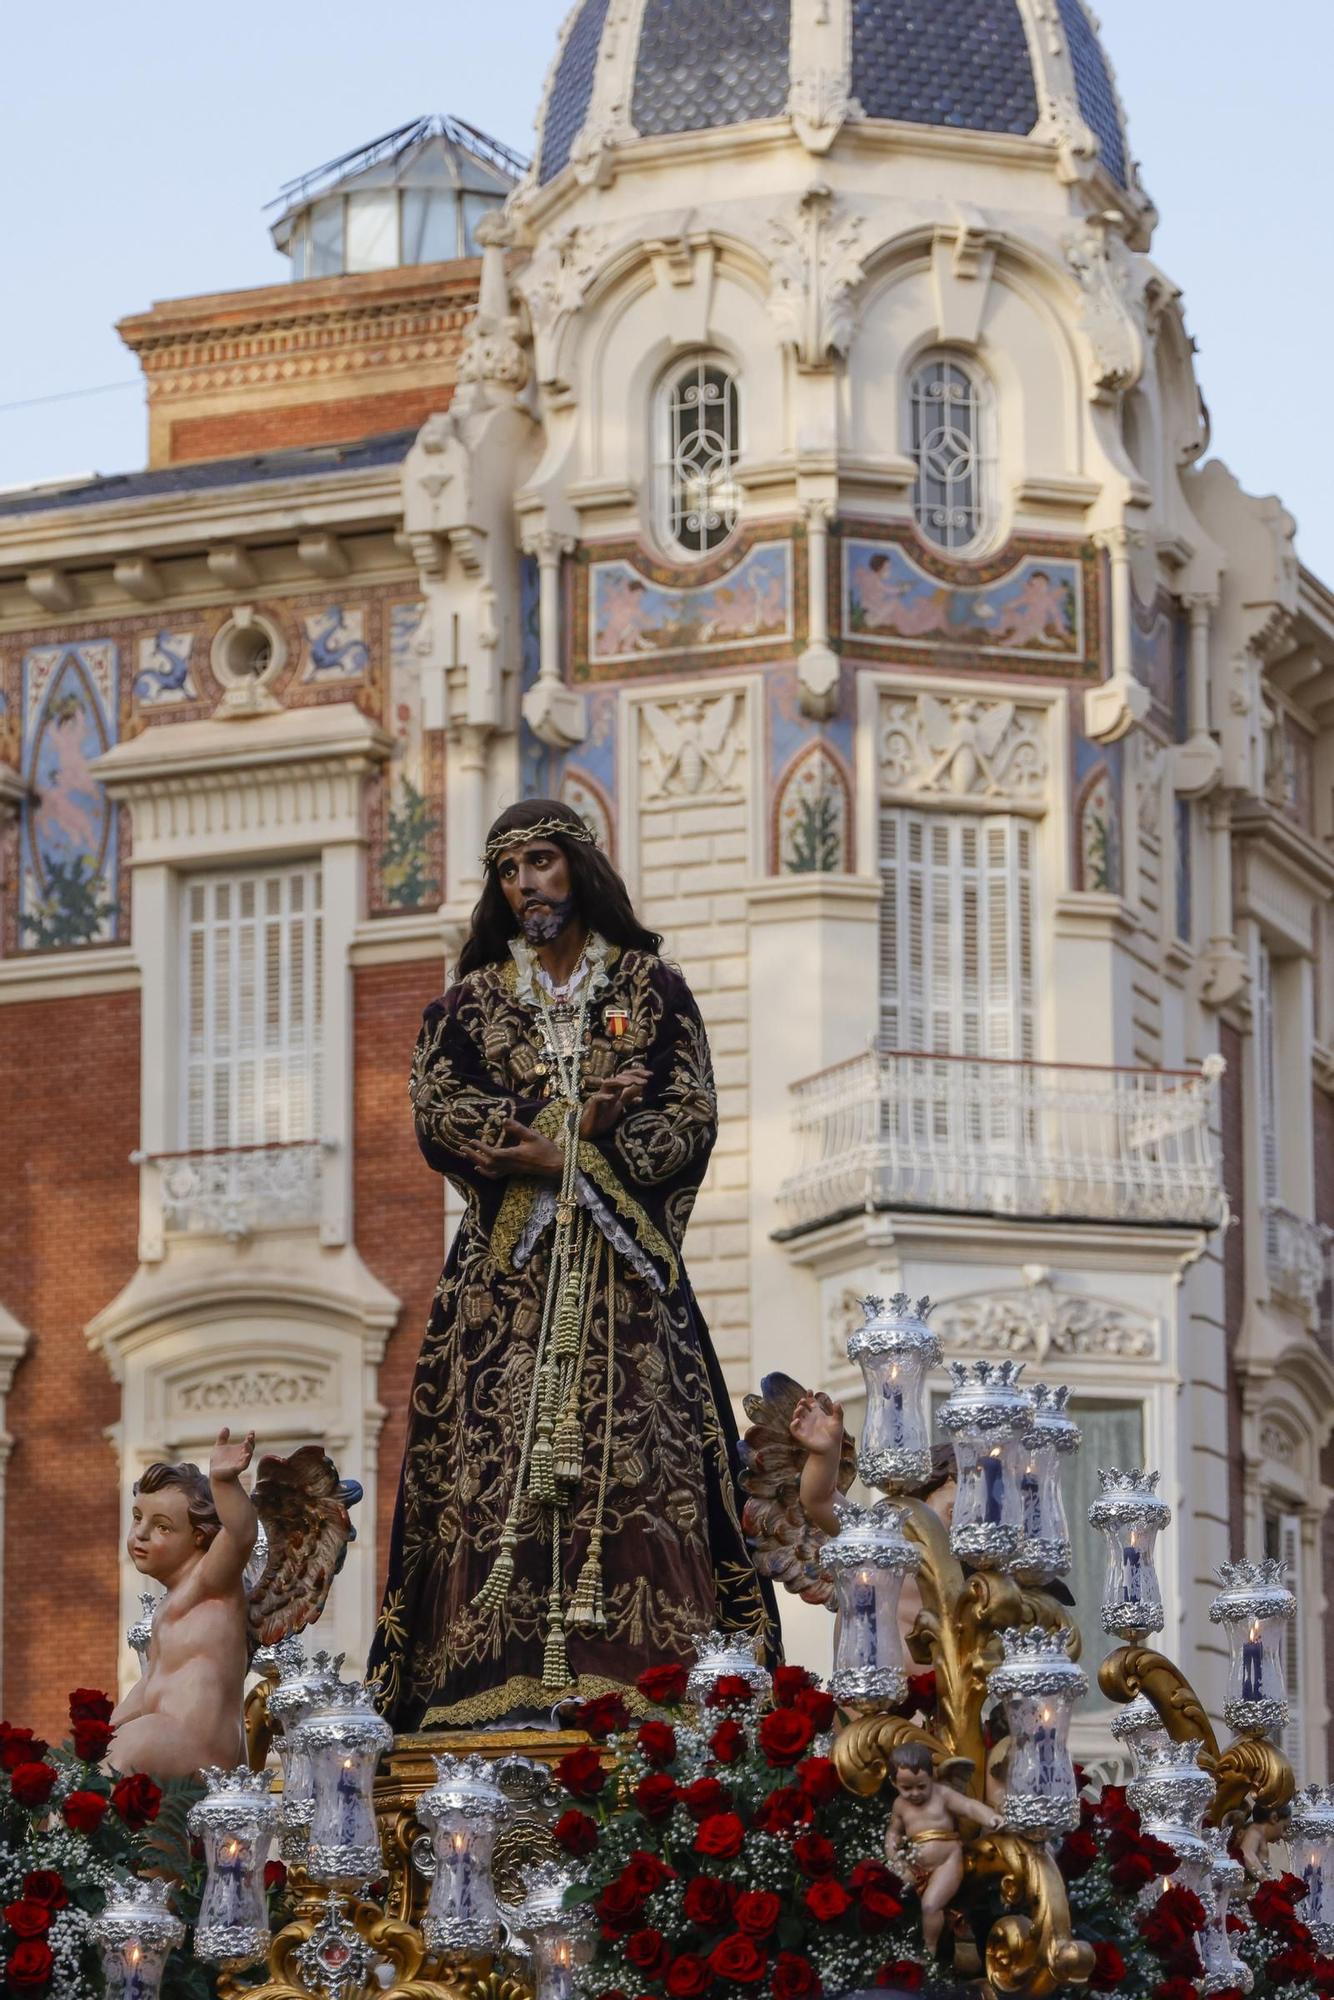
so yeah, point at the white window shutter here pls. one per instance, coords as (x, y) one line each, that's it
(1290, 1549)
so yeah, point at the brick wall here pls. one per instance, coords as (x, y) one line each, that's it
(398, 1200)
(1234, 1269)
(69, 1082)
(282, 426)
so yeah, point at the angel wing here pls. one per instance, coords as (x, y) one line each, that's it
(666, 733)
(785, 1541)
(303, 1509)
(992, 726)
(717, 722)
(937, 724)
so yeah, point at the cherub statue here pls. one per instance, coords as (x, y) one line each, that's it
(795, 1456)
(197, 1536)
(922, 1841)
(1264, 1828)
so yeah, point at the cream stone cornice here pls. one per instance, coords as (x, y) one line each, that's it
(1306, 864)
(789, 898)
(68, 975)
(272, 783)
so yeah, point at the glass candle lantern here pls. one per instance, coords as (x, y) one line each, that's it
(1171, 1795)
(895, 1349)
(1255, 1608)
(1311, 1844)
(868, 1559)
(344, 1738)
(1039, 1685)
(134, 1934)
(1138, 1727)
(987, 1417)
(1044, 1532)
(1131, 1516)
(462, 1811)
(1218, 1880)
(553, 1934)
(302, 1685)
(725, 1653)
(235, 1820)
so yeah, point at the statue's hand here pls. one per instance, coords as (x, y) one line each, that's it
(527, 1152)
(231, 1456)
(817, 1428)
(610, 1099)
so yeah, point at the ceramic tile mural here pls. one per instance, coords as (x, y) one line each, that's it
(812, 814)
(411, 863)
(334, 644)
(634, 619)
(1096, 818)
(165, 675)
(67, 870)
(1033, 610)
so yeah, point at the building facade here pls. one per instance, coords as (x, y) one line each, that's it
(810, 483)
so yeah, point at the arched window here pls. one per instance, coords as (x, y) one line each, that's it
(948, 411)
(698, 446)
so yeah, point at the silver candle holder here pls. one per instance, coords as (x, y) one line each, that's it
(235, 1820)
(1255, 1608)
(135, 1933)
(1172, 1795)
(1131, 1515)
(344, 1738)
(987, 1416)
(462, 1811)
(1138, 1728)
(1044, 1532)
(726, 1654)
(868, 1559)
(1039, 1685)
(301, 1687)
(1311, 1843)
(895, 1350)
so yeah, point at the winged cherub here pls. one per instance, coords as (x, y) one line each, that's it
(795, 1457)
(922, 1840)
(197, 1536)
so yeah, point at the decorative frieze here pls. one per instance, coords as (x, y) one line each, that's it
(963, 747)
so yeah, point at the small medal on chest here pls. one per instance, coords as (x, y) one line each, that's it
(616, 1021)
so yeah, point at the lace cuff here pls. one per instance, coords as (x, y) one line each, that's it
(543, 1214)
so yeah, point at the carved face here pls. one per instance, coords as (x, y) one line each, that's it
(913, 1787)
(161, 1538)
(535, 879)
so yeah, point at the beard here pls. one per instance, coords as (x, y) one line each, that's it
(544, 918)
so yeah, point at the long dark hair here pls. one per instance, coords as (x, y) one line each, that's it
(600, 896)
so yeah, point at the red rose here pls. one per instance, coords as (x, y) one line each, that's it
(618, 1906)
(828, 1901)
(872, 1874)
(1176, 1988)
(687, 1976)
(879, 1908)
(757, 1911)
(818, 1779)
(720, 1835)
(1132, 1873)
(728, 1741)
(612, 1993)
(19, 1746)
(656, 1795)
(275, 1876)
(31, 1784)
(647, 1951)
(30, 1965)
(580, 1772)
(795, 1978)
(1295, 1961)
(1109, 1968)
(665, 1685)
(784, 1811)
(84, 1811)
(44, 1886)
(706, 1903)
(28, 1920)
(922, 1688)
(91, 1739)
(785, 1735)
(704, 1797)
(905, 1973)
(814, 1854)
(136, 1799)
(788, 1684)
(738, 1959)
(817, 1705)
(644, 1873)
(657, 1742)
(89, 1705)
(1077, 1855)
(576, 1833)
(602, 1716)
(729, 1688)
(1272, 1903)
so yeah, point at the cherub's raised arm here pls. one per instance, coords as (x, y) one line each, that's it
(229, 1551)
(976, 1810)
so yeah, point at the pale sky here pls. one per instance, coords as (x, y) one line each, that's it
(142, 142)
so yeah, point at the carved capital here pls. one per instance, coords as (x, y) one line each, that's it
(817, 681)
(1114, 709)
(556, 714)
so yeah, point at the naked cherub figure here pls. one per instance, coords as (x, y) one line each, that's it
(194, 1536)
(922, 1841)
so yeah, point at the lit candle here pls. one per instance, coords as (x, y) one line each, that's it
(1131, 1590)
(1030, 1492)
(993, 1479)
(893, 1393)
(1252, 1666)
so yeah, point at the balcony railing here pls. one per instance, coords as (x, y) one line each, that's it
(235, 1191)
(971, 1135)
(1296, 1257)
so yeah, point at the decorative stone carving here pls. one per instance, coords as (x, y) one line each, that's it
(816, 269)
(1149, 788)
(1042, 1321)
(963, 747)
(691, 749)
(556, 279)
(1277, 1444)
(1113, 319)
(252, 1388)
(819, 106)
(493, 359)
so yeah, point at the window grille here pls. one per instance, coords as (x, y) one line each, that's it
(253, 1008)
(700, 443)
(947, 421)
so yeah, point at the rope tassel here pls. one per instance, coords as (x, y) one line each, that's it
(542, 1467)
(568, 1450)
(586, 1606)
(497, 1586)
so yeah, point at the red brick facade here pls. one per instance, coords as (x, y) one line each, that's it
(285, 425)
(69, 1219)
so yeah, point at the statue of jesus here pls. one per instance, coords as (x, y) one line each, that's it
(567, 1514)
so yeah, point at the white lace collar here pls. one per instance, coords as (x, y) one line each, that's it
(592, 966)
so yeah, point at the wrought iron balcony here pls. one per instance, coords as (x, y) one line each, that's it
(1296, 1258)
(235, 1191)
(971, 1135)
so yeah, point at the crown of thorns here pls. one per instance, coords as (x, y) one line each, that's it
(542, 829)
